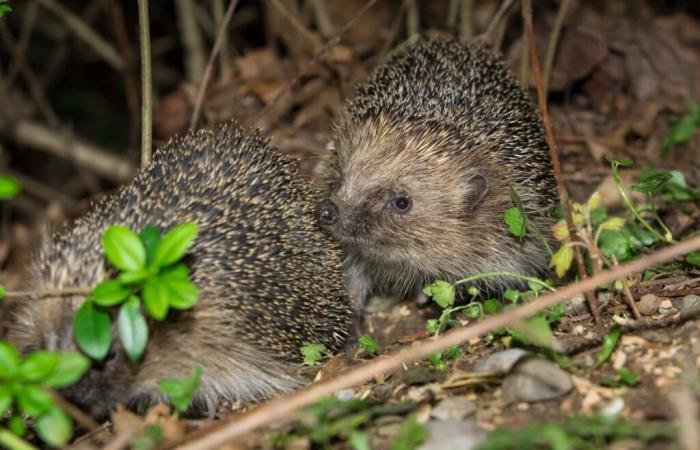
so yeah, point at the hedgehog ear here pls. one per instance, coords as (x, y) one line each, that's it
(474, 188)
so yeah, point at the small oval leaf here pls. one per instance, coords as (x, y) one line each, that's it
(33, 400)
(156, 298)
(9, 187)
(183, 293)
(175, 243)
(71, 366)
(150, 236)
(5, 398)
(92, 329)
(9, 360)
(37, 366)
(55, 427)
(133, 330)
(110, 292)
(123, 248)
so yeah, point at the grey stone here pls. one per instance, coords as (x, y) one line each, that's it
(689, 306)
(501, 362)
(453, 408)
(649, 304)
(453, 435)
(535, 379)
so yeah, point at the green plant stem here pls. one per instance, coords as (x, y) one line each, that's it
(541, 237)
(146, 90)
(13, 442)
(505, 274)
(661, 223)
(630, 206)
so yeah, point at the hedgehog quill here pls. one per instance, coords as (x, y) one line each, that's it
(423, 161)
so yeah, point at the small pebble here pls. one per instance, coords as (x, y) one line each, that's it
(690, 306)
(501, 362)
(649, 304)
(453, 408)
(535, 379)
(453, 435)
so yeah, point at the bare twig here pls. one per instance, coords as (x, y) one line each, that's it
(553, 42)
(294, 20)
(466, 19)
(323, 19)
(496, 20)
(191, 40)
(23, 40)
(413, 19)
(281, 408)
(83, 31)
(83, 153)
(316, 59)
(224, 58)
(554, 155)
(221, 35)
(76, 413)
(146, 88)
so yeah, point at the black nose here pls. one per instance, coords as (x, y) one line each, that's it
(327, 212)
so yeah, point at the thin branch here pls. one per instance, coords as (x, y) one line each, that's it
(496, 20)
(224, 57)
(323, 18)
(23, 40)
(237, 426)
(466, 19)
(554, 155)
(191, 40)
(146, 85)
(413, 19)
(294, 20)
(85, 33)
(221, 35)
(83, 153)
(553, 42)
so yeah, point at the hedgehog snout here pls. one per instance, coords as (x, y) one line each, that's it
(327, 213)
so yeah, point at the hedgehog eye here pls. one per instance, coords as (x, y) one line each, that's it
(401, 204)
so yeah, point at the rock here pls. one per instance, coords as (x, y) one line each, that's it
(453, 435)
(689, 306)
(578, 305)
(502, 362)
(649, 304)
(453, 408)
(534, 379)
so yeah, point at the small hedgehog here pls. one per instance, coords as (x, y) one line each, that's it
(269, 278)
(422, 163)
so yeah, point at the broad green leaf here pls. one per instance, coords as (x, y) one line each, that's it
(359, 440)
(180, 392)
(5, 398)
(37, 366)
(515, 219)
(609, 344)
(511, 295)
(9, 187)
(562, 259)
(651, 184)
(368, 343)
(593, 201)
(176, 272)
(312, 353)
(614, 244)
(534, 331)
(613, 224)
(92, 329)
(150, 236)
(33, 400)
(410, 435)
(55, 427)
(183, 293)
(492, 306)
(71, 366)
(133, 330)
(175, 243)
(693, 258)
(17, 426)
(442, 292)
(133, 276)
(123, 248)
(9, 361)
(110, 293)
(156, 298)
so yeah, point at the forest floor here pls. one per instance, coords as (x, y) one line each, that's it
(624, 85)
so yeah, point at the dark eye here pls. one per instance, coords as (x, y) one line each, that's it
(401, 204)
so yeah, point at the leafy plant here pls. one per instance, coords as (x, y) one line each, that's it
(9, 187)
(151, 275)
(624, 377)
(368, 345)
(25, 385)
(609, 343)
(181, 391)
(312, 353)
(517, 222)
(4, 7)
(692, 258)
(411, 435)
(683, 128)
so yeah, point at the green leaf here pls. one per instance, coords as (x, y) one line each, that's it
(2, 291)
(693, 258)
(534, 331)
(92, 329)
(71, 366)
(156, 298)
(442, 292)
(312, 353)
(562, 259)
(17, 426)
(432, 326)
(133, 276)
(123, 248)
(133, 330)
(609, 343)
(515, 219)
(651, 184)
(33, 400)
(183, 293)
(627, 377)
(37, 366)
(359, 440)
(511, 295)
(683, 128)
(492, 306)
(9, 187)
(55, 427)
(110, 293)
(368, 343)
(150, 236)
(614, 244)
(453, 352)
(177, 272)
(436, 361)
(175, 243)
(9, 361)
(180, 392)
(5, 398)
(410, 435)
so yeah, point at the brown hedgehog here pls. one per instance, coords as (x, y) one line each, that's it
(422, 164)
(269, 278)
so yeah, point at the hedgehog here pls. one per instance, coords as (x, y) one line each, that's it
(269, 278)
(422, 163)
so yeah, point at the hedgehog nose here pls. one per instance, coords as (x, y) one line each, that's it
(327, 212)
